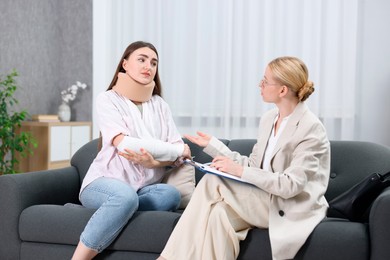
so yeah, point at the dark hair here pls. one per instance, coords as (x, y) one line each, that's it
(129, 50)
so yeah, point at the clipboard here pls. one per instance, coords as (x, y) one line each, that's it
(206, 168)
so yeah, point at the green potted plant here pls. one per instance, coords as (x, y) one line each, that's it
(12, 141)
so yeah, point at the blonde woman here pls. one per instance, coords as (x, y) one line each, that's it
(289, 168)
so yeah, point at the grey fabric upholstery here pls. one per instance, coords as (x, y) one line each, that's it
(40, 217)
(38, 222)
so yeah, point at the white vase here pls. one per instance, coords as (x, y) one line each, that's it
(64, 112)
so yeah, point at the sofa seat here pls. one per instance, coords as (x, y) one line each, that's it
(143, 233)
(345, 240)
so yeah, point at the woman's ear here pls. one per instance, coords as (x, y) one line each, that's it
(124, 64)
(283, 91)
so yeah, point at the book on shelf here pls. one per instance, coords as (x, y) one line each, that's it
(45, 118)
(206, 168)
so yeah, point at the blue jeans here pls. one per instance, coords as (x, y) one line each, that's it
(116, 203)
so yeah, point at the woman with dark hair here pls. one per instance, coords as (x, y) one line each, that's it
(288, 168)
(138, 140)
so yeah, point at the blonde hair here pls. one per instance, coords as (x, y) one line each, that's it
(293, 73)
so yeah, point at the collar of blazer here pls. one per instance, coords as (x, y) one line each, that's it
(289, 130)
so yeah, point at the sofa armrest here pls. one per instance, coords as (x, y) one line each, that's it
(380, 226)
(19, 191)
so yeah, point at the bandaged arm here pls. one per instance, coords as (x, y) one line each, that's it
(161, 151)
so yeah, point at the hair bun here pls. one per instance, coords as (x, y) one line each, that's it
(306, 90)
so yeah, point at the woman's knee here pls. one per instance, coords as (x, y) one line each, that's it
(119, 197)
(126, 199)
(159, 197)
(174, 197)
(170, 197)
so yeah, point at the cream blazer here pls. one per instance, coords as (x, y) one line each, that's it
(299, 178)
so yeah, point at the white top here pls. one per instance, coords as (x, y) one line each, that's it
(273, 139)
(118, 115)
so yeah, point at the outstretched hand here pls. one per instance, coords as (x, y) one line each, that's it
(201, 139)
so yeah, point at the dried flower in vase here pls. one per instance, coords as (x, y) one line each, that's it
(71, 93)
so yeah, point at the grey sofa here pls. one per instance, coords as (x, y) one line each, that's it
(37, 221)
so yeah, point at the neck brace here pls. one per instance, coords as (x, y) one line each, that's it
(133, 90)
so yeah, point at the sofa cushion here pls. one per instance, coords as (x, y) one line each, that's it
(183, 178)
(243, 146)
(352, 161)
(63, 225)
(83, 158)
(344, 240)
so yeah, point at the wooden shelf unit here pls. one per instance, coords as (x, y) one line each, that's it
(57, 142)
